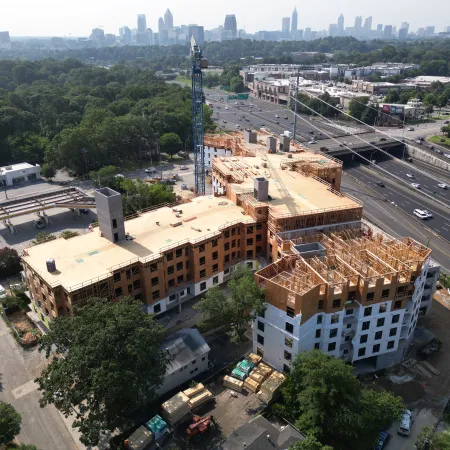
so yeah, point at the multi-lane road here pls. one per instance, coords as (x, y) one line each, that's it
(390, 207)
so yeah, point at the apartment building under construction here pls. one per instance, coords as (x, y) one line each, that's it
(276, 207)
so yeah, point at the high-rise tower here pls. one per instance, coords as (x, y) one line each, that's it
(168, 19)
(141, 23)
(294, 21)
(231, 24)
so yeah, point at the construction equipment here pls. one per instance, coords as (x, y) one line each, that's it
(200, 426)
(198, 63)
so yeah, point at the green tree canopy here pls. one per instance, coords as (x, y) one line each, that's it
(327, 401)
(429, 439)
(9, 262)
(48, 171)
(392, 96)
(107, 364)
(237, 310)
(310, 443)
(10, 421)
(170, 143)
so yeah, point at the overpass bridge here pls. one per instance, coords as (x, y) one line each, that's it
(337, 146)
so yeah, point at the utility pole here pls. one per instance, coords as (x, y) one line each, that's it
(296, 102)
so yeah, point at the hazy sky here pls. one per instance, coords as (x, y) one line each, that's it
(78, 17)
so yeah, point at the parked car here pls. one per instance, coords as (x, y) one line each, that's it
(404, 425)
(446, 122)
(422, 214)
(380, 183)
(383, 439)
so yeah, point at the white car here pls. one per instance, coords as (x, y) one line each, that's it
(443, 186)
(410, 175)
(150, 170)
(277, 116)
(423, 214)
(405, 422)
(415, 185)
(183, 167)
(311, 142)
(410, 129)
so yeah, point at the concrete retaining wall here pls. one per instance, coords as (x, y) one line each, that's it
(423, 155)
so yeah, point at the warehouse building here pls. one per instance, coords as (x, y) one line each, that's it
(19, 173)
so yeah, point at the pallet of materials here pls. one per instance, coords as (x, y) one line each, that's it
(264, 369)
(175, 408)
(238, 374)
(245, 366)
(257, 376)
(273, 383)
(157, 426)
(254, 358)
(203, 397)
(193, 391)
(251, 385)
(232, 383)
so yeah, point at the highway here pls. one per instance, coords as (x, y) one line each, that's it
(394, 220)
(404, 198)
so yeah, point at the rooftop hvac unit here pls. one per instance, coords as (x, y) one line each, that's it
(51, 265)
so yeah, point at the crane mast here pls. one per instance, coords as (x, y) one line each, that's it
(198, 63)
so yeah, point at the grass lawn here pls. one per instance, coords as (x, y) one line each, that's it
(182, 79)
(414, 122)
(438, 140)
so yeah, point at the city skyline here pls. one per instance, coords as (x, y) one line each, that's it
(51, 18)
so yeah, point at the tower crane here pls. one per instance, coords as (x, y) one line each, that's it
(198, 63)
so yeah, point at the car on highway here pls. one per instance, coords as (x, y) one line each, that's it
(382, 139)
(372, 142)
(311, 131)
(183, 167)
(312, 142)
(234, 113)
(443, 186)
(419, 138)
(380, 183)
(447, 155)
(263, 124)
(410, 129)
(405, 422)
(277, 122)
(277, 116)
(446, 122)
(410, 175)
(260, 109)
(383, 439)
(286, 118)
(224, 121)
(324, 149)
(415, 185)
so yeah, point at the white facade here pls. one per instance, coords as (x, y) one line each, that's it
(188, 357)
(18, 173)
(355, 333)
(212, 152)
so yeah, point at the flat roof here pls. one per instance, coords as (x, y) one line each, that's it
(19, 166)
(90, 256)
(291, 192)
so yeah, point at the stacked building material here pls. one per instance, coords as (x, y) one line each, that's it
(193, 391)
(175, 408)
(202, 397)
(252, 385)
(232, 383)
(254, 358)
(245, 366)
(239, 374)
(157, 426)
(271, 386)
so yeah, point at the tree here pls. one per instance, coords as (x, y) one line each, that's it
(48, 171)
(170, 143)
(370, 114)
(10, 421)
(236, 311)
(429, 110)
(310, 443)
(9, 262)
(392, 96)
(429, 439)
(25, 447)
(327, 401)
(357, 106)
(107, 364)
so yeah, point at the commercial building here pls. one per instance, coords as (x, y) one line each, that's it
(5, 41)
(141, 23)
(18, 173)
(380, 87)
(294, 22)
(168, 19)
(350, 292)
(230, 25)
(285, 25)
(187, 354)
(425, 81)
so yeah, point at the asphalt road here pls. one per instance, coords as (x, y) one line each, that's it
(395, 220)
(42, 427)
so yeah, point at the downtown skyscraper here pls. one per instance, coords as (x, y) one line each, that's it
(294, 21)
